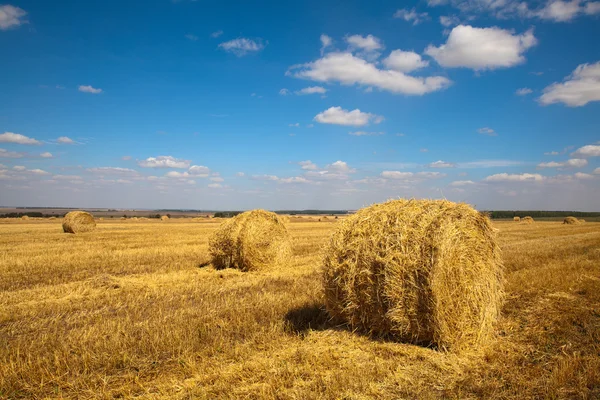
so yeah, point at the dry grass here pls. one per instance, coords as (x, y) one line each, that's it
(127, 311)
(423, 271)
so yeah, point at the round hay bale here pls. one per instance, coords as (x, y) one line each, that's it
(51, 218)
(122, 218)
(78, 221)
(571, 221)
(422, 271)
(581, 220)
(25, 217)
(164, 218)
(517, 219)
(252, 240)
(527, 220)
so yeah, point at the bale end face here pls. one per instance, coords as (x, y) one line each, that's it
(250, 241)
(517, 219)
(527, 220)
(571, 221)
(78, 222)
(422, 271)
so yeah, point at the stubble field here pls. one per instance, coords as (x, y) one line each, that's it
(134, 310)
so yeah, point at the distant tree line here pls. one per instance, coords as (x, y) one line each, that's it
(541, 214)
(32, 214)
(226, 214)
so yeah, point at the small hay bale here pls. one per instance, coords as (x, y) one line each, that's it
(571, 221)
(252, 240)
(422, 271)
(164, 218)
(527, 220)
(51, 218)
(78, 221)
(122, 218)
(25, 217)
(581, 220)
(517, 219)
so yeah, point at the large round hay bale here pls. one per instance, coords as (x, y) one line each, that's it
(78, 221)
(423, 271)
(25, 217)
(252, 240)
(516, 219)
(571, 221)
(527, 220)
(164, 218)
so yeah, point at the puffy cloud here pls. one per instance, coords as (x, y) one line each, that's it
(10, 137)
(572, 163)
(340, 167)
(482, 48)
(339, 116)
(396, 175)
(411, 15)
(284, 92)
(265, 177)
(326, 42)
(582, 175)
(10, 154)
(587, 151)
(367, 43)
(199, 170)
(11, 17)
(217, 179)
(65, 140)
(411, 176)
(597, 171)
(294, 179)
(449, 20)
(441, 164)
(308, 165)
(311, 90)
(347, 69)
(523, 91)
(216, 34)
(487, 131)
(19, 168)
(462, 183)
(242, 46)
(560, 11)
(38, 171)
(504, 177)
(164, 162)
(578, 89)
(89, 89)
(404, 61)
(67, 177)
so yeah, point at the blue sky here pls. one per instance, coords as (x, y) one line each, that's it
(238, 105)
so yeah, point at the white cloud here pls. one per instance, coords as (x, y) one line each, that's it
(411, 15)
(65, 140)
(592, 8)
(504, 177)
(340, 167)
(326, 42)
(89, 89)
(582, 175)
(551, 153)
(67, 177)
(199, 171)
(411, 176)
(404, 61)
(46, 155)
(441, 164)
(38, 172)
(482, 48)
(462, 183)
(339, 116)
(284, 92)
(10, 154)
(10, 137)
(265, 177)
(19, 168)
(348, 69)
(308, 165)
(572, 163)
(164, 162)
(294, 179)
(597, 171)
(578, 89)
(449, 20)
(560, 11)
(367, 43)
(195, 171)
(311, 90)
(113, 171)
(490, 164)
(396, 175)
(587, 151)
(242, 46)
(297, 124)
(487, 131)
(215, 185)
(241, 174)
(11, 17)
(216, 34)
(217, 179)
(364, 133)
(523, 91)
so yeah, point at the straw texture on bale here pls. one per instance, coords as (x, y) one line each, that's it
(78, 221)
(516, 219)
(252, 240)
(527, 220)
(571, 221)
(422, 271)
(164, 218)
(25, 217)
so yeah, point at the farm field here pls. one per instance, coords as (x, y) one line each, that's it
(133, 309)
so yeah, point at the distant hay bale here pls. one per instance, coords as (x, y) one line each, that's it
(25, 217)
(78, 221)
(252, 240)
(571, 221)
(581, 220)
(516, 219)
(422, 271)
(527, 220)
(51, 218)
(122, 218)
(164, 218)
(101, 219)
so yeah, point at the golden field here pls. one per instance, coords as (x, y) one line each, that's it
(134, 310)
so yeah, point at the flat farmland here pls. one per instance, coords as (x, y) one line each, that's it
(134, 309)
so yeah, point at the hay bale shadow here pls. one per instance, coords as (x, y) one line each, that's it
(311, 316)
